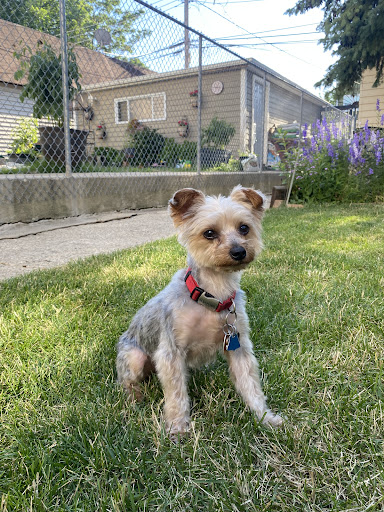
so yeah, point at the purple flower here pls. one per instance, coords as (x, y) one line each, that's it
(382, 120)
(331, 151)
(306, 128)
(370, 172)
(378, 105)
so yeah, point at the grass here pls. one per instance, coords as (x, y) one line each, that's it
(70, 441)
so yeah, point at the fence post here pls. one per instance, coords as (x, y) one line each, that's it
(297, 155)
(199, 95)
(64, 70)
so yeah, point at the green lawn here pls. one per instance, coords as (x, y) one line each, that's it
(70, 441)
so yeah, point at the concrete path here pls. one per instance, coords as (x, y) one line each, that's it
(51, 243)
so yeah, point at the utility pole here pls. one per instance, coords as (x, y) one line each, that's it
(186, 34)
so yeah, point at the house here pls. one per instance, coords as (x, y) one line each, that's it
(245, 94)
(95, 68)
(368, 99)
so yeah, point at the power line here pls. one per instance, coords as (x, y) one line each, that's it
(245, 30)
(228, 38)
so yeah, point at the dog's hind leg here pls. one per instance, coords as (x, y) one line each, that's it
(132, 365)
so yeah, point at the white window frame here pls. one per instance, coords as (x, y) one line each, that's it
(127, 99)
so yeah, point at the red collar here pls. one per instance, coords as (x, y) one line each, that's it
(206, 299)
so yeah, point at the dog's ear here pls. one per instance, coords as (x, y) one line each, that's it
(184, 204)
(252, 199)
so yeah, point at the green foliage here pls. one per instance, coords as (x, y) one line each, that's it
(25, 136)
(353, 31)
(218, 134)
(233, 165)
(147, 144)
(110, 156)
(173, 152)
(43, 71)
(83, 18)
(331, 168)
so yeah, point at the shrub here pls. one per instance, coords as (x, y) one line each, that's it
(217, 134)
(147, 144)
(25, 136)
(110, 156)
(331, 168)
(173, 152)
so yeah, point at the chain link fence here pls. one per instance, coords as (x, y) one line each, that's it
(147, 106)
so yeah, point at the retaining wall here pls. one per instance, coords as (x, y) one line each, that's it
(27, 198)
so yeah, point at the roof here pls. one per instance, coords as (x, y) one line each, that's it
(94, 67)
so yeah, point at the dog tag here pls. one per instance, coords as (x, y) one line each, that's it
(233, 342)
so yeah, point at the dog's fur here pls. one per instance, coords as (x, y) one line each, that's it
(172, 333)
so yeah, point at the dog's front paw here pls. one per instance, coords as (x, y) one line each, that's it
(272, 420)
(177, 431)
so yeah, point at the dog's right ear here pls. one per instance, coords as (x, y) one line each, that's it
(184, 204)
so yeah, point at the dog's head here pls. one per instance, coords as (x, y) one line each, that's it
(222, 233)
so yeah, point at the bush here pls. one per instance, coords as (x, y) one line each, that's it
(147, 144)
(25, 136)
(217, 134)
(110, 157)
(332, 168)
(172, 152)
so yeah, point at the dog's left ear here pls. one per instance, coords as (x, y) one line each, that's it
(251, 199)
(184, 204)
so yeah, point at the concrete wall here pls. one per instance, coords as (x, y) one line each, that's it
(29, 198)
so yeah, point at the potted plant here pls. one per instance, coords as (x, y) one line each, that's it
(194, 97)
(42, 69)
(101, 131)
(183, 128)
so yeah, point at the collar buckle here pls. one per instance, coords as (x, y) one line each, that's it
(208, 300)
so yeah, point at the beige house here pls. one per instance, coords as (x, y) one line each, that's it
(368, 99)
(249, 96)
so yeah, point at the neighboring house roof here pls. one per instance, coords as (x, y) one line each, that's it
(94, 67)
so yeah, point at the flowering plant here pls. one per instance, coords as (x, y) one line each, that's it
(194, 93)
(331, 166)
(99, 127)
(183, 122)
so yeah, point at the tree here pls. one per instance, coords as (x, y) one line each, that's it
(83, 18)
(354, 32)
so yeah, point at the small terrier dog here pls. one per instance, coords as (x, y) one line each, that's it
(202, 310)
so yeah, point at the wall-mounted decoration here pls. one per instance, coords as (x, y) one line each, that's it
(194, 97)
(217, 87)
(183, 127)
(101, 131)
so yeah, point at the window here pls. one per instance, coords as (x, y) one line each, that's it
(149, 107)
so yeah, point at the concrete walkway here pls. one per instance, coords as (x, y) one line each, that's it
(51, 243)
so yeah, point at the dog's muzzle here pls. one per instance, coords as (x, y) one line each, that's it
(238, 253)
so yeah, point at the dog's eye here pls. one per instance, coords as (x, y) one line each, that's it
(243, 229)
(210, 234)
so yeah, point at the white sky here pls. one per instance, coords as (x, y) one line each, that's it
(303, 62)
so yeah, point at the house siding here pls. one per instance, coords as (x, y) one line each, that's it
(11, 112)
(368, 98)
(225, 106)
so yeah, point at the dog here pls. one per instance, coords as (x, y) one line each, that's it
(202, 310)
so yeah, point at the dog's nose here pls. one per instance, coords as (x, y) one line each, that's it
(238, 253)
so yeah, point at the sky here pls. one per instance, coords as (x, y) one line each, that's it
(287, 44)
